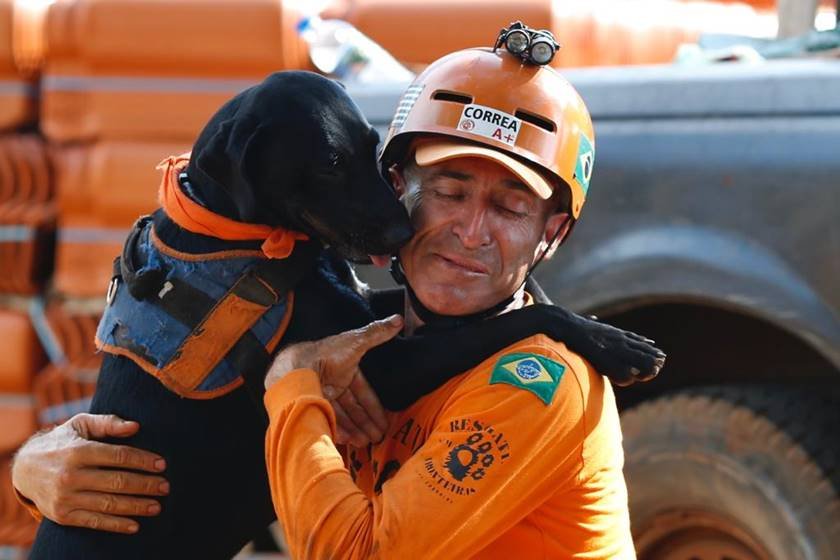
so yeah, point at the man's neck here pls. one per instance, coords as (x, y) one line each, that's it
(414, 322)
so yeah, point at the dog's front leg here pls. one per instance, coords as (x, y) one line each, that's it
(406, 368)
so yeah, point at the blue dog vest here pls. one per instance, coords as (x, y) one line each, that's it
(204, 359)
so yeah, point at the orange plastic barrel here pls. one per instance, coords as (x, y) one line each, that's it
(17, 526)
(420, 31)
(17, 99)
(65, 387)
(771, 4)
(220, 38)
(27, 214)
(102, 189)
(21, 351)
(139, 108)
(58, 391)
(591, 33)
(28, 40)
(157, 69)
(18, 418)
(62, 391)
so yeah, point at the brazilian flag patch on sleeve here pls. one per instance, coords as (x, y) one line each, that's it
(531, 372)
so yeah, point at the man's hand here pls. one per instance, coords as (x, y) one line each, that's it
(361, 418)
(76, 481)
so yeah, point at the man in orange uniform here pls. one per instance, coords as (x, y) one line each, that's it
(519, 457)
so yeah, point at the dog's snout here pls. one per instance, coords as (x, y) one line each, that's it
(397, 235)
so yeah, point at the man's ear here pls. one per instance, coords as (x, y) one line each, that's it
(557, 228)
(397, 180)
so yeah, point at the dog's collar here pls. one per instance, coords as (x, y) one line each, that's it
(437, 321)
(278, 243)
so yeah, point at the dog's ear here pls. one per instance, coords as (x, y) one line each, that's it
(222, 160)
(271, 163)
(211, 158)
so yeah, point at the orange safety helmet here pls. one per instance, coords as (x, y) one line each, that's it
(491, 98)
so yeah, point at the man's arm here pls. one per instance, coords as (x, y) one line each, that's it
(73, 480)
(496, 452)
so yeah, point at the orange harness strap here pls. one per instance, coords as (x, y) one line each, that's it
(278, 243)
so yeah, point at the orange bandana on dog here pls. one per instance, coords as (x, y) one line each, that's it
(278, 242)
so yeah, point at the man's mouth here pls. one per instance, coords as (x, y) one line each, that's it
(468, 265)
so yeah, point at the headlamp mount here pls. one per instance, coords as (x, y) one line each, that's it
(533, 46)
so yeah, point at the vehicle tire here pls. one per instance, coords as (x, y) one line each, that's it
(735, 473)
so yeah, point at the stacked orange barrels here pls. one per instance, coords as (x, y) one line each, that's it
(127, 83)
(27, 225)
(27, 214)
(592, 33)
(22, 356)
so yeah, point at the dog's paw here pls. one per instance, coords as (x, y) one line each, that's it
(623, 356)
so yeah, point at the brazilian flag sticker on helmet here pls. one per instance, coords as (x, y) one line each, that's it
(532, 372)
(585, 162)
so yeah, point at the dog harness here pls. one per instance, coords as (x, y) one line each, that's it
(201, 323)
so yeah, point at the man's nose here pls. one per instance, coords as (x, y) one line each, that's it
(471, 228)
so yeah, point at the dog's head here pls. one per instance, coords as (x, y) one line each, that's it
(295, 151)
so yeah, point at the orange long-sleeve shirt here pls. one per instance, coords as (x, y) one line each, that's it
(519, 457)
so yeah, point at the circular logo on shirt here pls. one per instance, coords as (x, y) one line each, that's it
(528, 369)
(471, 450)
(471, 458)
(467, 124)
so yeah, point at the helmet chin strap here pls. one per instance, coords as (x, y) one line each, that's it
(443, 322)
(436, 320)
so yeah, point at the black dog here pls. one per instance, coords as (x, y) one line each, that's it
(294, 152)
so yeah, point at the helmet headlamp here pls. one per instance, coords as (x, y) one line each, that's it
(542, 49)
(517, 42)
(531, 45)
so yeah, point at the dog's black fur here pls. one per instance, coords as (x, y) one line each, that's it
(295, 152)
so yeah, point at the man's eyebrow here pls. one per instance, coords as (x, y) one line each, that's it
(451, 174)
(516, 184)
